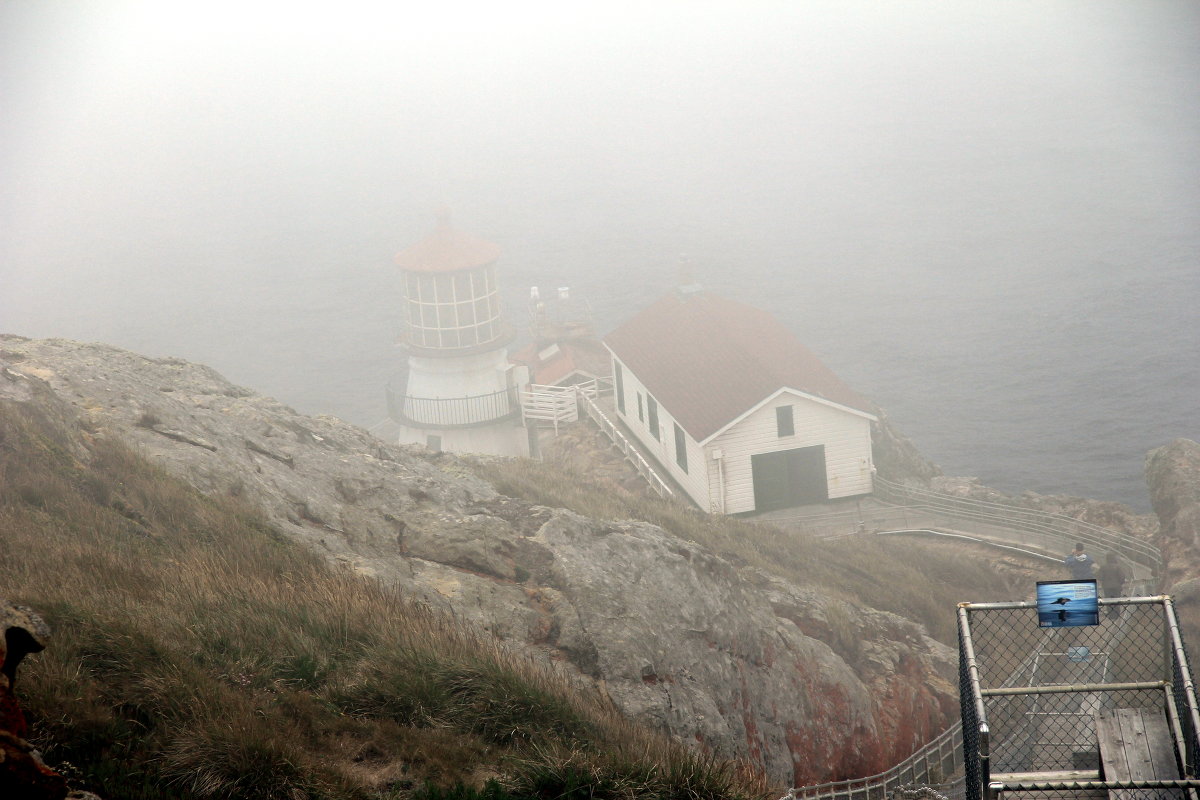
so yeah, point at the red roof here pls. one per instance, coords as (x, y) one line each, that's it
(708, 360)
(584, 356)
(447, 250)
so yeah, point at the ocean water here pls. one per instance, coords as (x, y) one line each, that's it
(1055, 371)
(985, 218)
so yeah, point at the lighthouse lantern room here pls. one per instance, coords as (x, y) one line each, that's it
(458, 392)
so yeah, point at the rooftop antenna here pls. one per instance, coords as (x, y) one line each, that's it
(537, 313)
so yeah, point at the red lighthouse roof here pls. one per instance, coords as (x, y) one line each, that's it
(447, 250)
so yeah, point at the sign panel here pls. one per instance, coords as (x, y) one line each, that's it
(1066, 604)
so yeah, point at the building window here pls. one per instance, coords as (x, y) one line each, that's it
(680, 448)
(619, 385)
(784, 423)
(641, 416)
(652, 414)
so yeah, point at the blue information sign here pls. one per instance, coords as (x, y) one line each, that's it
(1065, 604)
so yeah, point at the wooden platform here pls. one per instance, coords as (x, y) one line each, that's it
(1136, 745)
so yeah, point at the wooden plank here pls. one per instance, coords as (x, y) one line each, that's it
(1149, 753)
(1162, 749)
(1113, 759)
(1136, 745)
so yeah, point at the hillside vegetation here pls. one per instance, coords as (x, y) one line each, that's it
(922, 581)
(197, 654)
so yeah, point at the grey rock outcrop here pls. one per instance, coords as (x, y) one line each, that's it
(1173, 478)
(805, 686)
(895, 456)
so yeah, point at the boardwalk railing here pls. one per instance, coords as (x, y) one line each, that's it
(932, 766)
(592, 409)
(1037, 736)
(907, 508)
(1053, 532)
(1022, 528)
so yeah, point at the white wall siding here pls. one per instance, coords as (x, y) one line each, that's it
(695, 481)
(846, 437)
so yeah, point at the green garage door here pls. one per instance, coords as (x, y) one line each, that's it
(789, 478)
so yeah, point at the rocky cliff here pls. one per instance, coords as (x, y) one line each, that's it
(1173, 477)
(679, 637)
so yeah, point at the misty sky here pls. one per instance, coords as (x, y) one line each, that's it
(220, 180)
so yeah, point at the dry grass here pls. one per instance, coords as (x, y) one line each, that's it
(196, 654)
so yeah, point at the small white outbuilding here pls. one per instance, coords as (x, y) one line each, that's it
(741, 414)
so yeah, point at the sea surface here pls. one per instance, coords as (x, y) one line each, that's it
(1051, 364)
(984, 218)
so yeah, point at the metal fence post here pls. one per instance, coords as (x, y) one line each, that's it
(985, 761)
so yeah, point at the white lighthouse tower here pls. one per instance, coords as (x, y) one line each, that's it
(459, 392)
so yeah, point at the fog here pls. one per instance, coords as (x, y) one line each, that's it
(983, 215)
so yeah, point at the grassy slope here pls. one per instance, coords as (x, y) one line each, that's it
(197, 654)
(918, 580)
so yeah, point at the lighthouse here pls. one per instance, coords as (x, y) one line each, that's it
(459, 392)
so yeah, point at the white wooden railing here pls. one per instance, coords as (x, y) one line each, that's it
(553, 404)
(588, 402)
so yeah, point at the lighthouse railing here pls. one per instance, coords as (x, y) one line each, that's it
(453, 412)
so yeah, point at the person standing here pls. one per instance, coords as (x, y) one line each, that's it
(1112, 576)
(1079, 563)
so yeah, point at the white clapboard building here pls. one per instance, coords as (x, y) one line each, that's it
(740, 413)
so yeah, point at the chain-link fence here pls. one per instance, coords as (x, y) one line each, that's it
(1032, 697)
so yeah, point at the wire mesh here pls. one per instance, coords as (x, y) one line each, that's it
(1094, 791)
(1031, 696)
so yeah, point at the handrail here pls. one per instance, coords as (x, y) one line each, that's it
(894, 777)
(1055, 531)
(1066, 529)
(553, 404)
(451, 412)
(610, 430)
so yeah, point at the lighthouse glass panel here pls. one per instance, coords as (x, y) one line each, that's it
(452, 310)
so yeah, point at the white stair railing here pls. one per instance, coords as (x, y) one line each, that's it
(610, 430)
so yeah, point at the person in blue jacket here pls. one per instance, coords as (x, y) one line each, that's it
(1080, 563)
